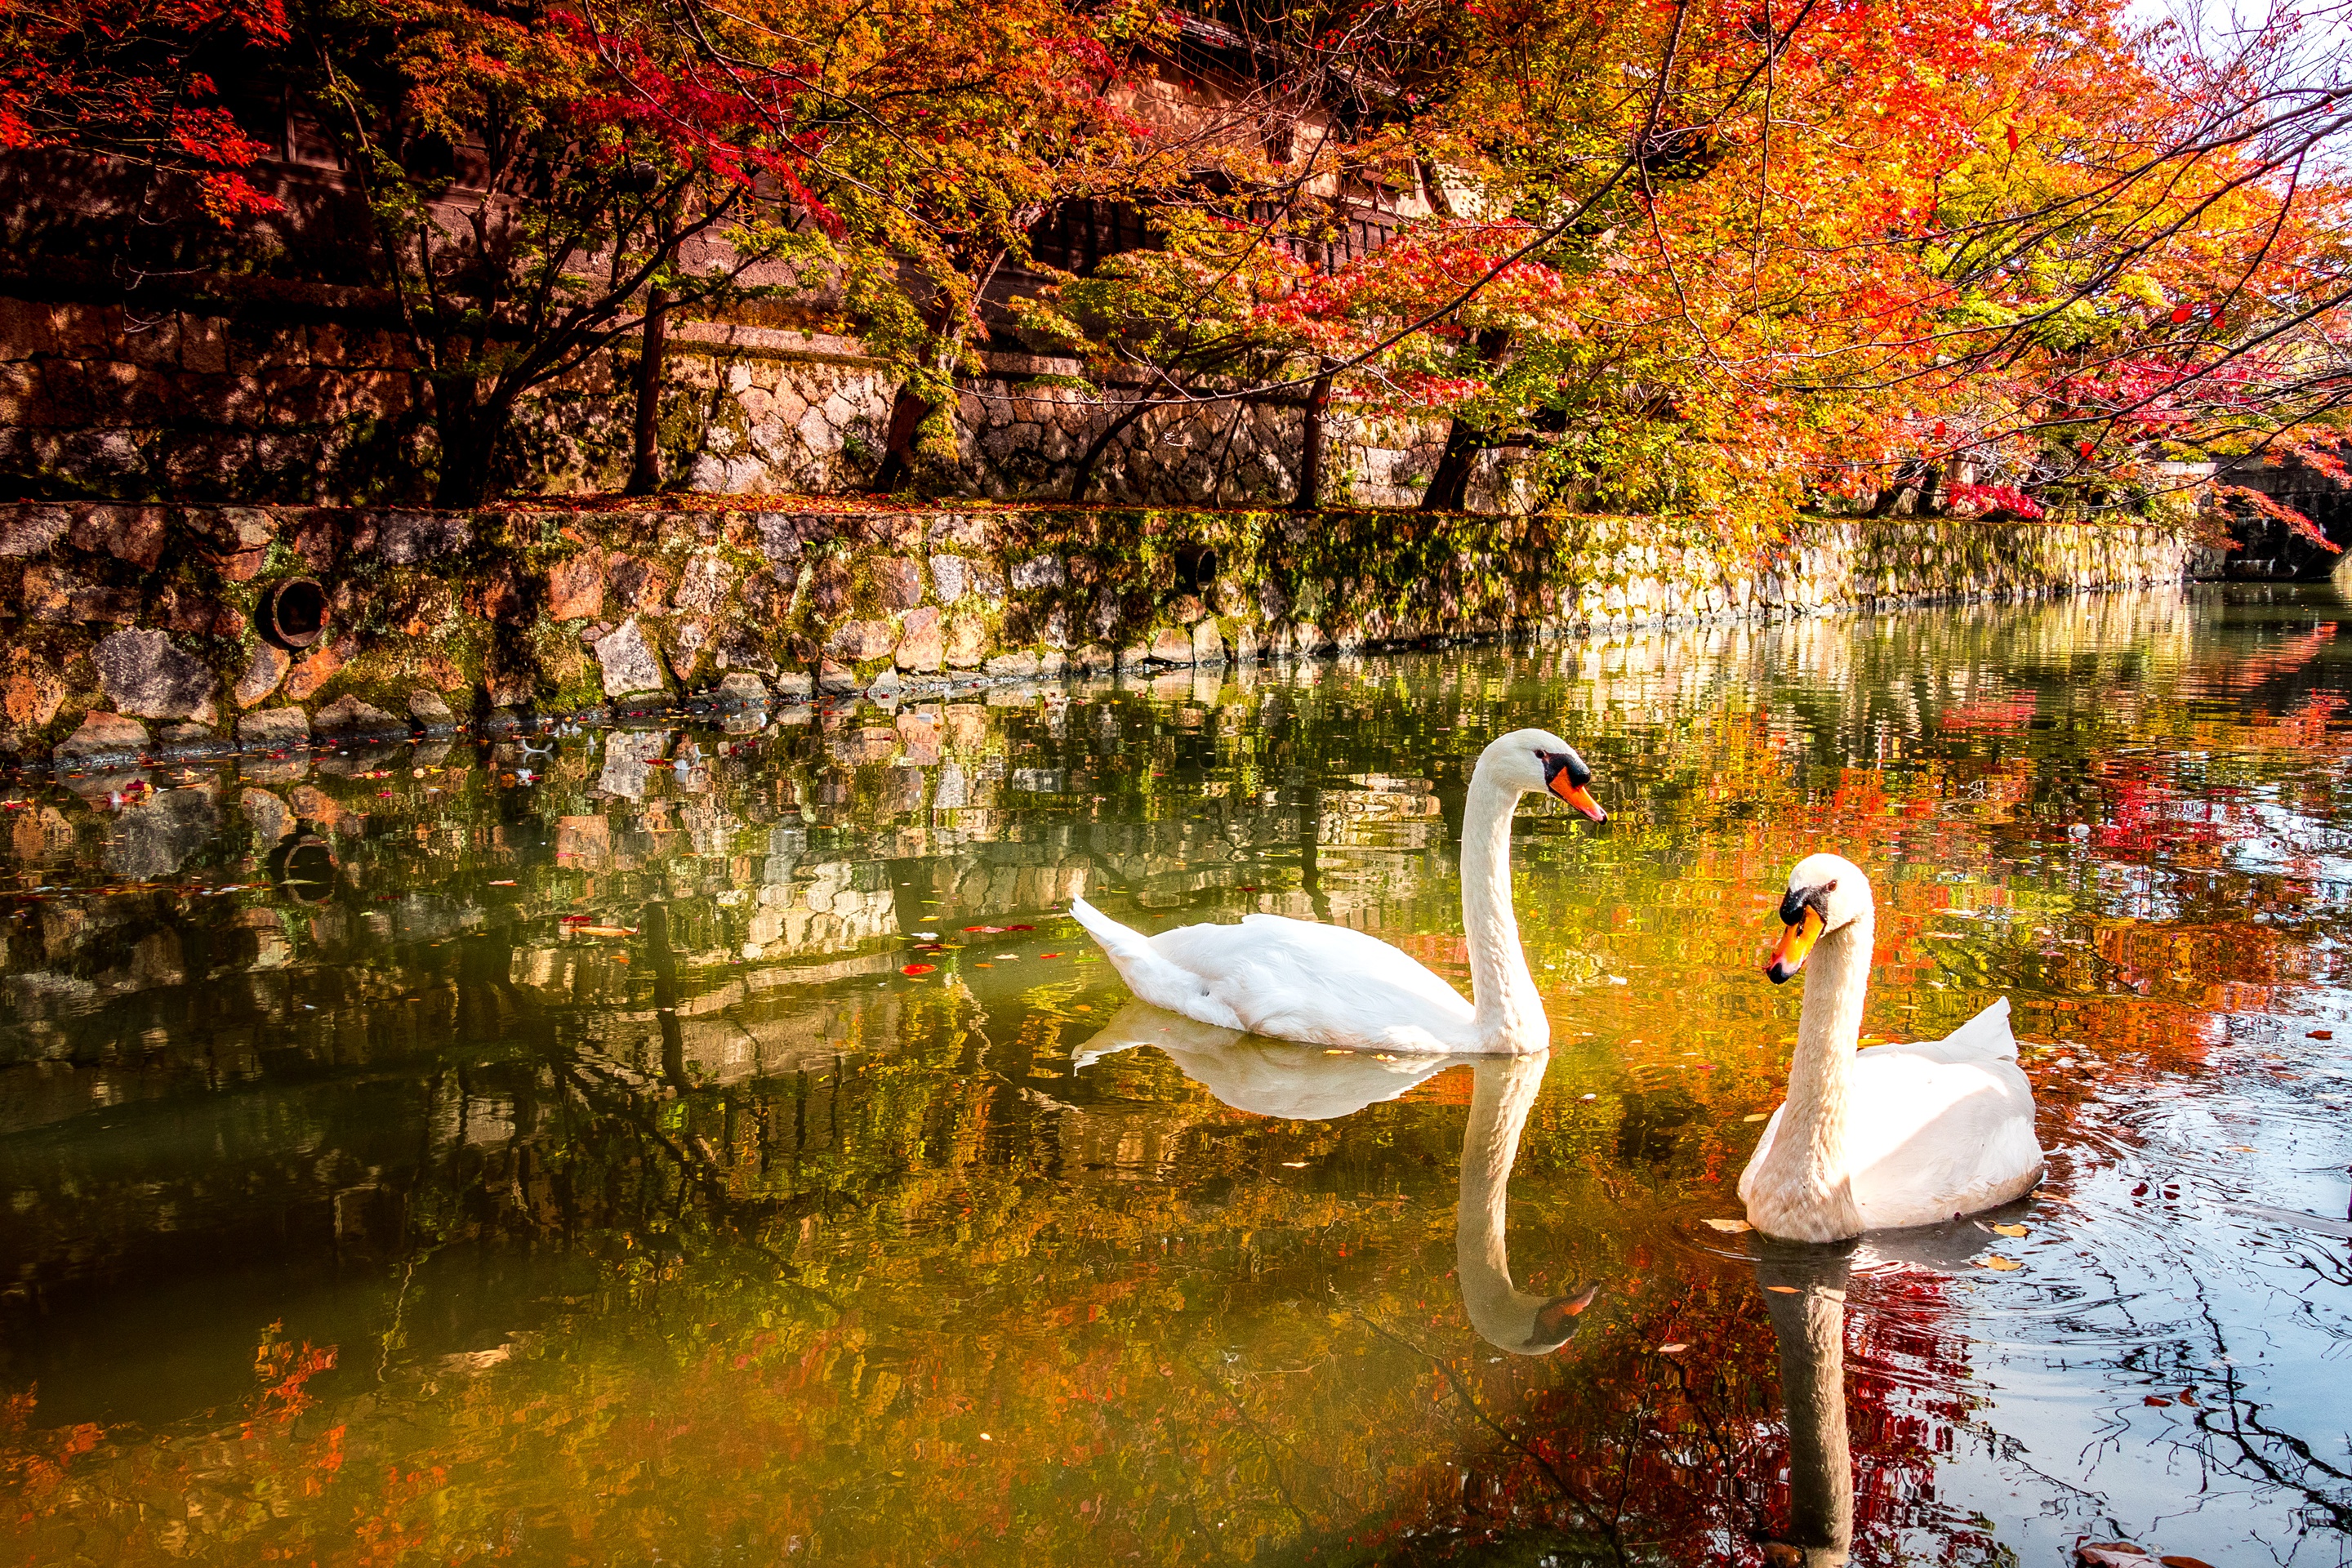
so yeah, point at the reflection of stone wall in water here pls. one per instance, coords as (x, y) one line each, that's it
(135, 626)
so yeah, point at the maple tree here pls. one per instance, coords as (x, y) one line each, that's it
(137, 84)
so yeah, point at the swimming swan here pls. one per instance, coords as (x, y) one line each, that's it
(1893, 1136)
(1328, 985)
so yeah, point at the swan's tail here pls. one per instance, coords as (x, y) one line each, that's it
(1149, 975)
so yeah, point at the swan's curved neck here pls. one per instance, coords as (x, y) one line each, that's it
(1509, 1017)
(1502, 1092)
(1805, 1183)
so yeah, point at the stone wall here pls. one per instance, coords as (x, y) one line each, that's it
(132, 630)
(323, 405)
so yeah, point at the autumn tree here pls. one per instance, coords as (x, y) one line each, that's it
(137, 85)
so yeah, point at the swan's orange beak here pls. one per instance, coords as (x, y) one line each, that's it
(1577, 795)
(1796, 941)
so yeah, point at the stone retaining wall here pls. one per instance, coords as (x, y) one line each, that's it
(250, 403)
(132, 628)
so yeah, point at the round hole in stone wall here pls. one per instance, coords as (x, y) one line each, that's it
(1196, 567)
(293, 613)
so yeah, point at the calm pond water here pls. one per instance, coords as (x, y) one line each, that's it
(489, 1152)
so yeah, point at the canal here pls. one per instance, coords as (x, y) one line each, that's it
(713, 1144)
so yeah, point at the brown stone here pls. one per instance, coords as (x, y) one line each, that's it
(30, 530)
(32, 693)
(575, 588)
(897, 582)
(967, 641)
(102, 735)
(703, 587)
(52, 594)
(1171, 645)
(147, 674)
(920, 645)
(130, 534)
(316, 668)
(835, 678)
(637, 586)
(262, 673)
(860, 640)
(1208, 645)
(500, 598)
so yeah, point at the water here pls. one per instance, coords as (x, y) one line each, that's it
(545, 1158)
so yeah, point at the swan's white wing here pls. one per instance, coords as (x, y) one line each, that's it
(1325, 985)
(1941, 1128)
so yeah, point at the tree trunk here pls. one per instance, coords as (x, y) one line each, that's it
(644, 449)
(1310, 455)
(906, 412)
(470, 429)
(1449, 487)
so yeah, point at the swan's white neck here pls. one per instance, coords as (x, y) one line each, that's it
(1502, 1092)
(1510, 1017)
(1804, 1191)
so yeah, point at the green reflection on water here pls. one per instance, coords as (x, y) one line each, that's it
(574, 1173)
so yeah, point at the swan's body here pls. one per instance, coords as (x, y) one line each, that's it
(1296, 1083)
(1893, 1136)
(1328, 985)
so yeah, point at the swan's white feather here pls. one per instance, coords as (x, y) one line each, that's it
(1935, 1128)
(1293, 980)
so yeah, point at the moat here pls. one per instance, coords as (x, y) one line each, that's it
(712, 1143)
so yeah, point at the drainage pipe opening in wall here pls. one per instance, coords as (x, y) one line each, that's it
(293, 613)
(1196, 568)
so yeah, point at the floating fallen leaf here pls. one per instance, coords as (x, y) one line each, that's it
(1782, 1289)
(2320, 1035)
(917, 968)
(1728, 1227)
(2242, 1148)
(506, 882)
(1020, 928)
(1999, 1264)
(2155, 1399)
(1294, 1164)
(1672, 1349)
(2112, 1554)
(1335, 1053)
(988, 930)
(606, 930)
(1759, 1116)
(1049, 955)
(2009, 1230)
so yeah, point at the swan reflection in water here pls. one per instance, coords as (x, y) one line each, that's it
(1804, 1292)
(1306, 1083)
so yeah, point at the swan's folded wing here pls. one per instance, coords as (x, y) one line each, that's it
(1985, 1037)
(1301, 980)
(1929, 1136)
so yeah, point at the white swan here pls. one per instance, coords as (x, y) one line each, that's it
(1893, 1136)
(1328, 985)
(1298, 1083)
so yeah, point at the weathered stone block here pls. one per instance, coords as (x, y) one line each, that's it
(30, 530)
(144, 673)
(273, 729)
(575, 587)
(428, 709)
(1014, 665)
(897, 582)
(316, 668)
(1038, 572)
(408, 538)
(1172, 645)
(263, 671)
(859, 640)
(742, 690)
(967, 641)
(921, 646)
(1208, 645)
(627, 660)
(793, 685)
(347, 715)
(102, 737)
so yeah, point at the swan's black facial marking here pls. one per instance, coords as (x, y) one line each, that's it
(1797, 900)
(1555, 764)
